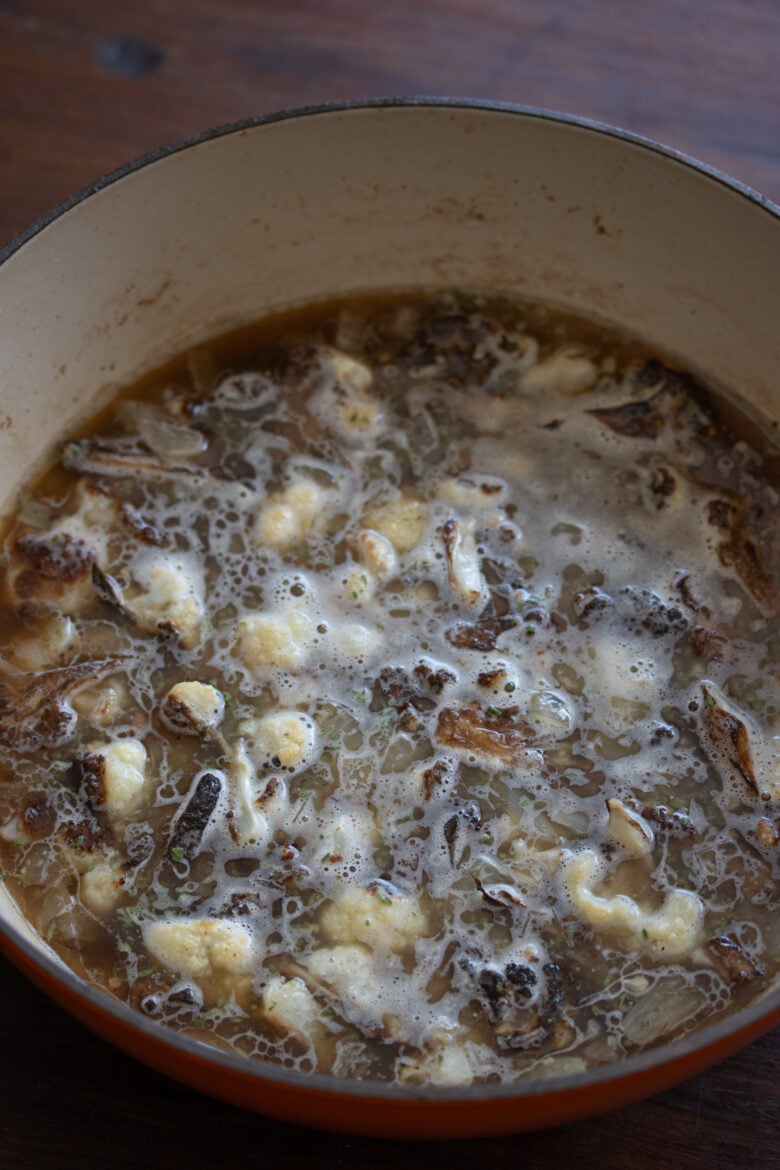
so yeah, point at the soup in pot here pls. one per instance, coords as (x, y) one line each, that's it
(390, 690)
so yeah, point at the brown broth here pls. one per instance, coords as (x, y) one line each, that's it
(451, 572)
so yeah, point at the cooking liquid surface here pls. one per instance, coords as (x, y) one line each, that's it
(391, 689)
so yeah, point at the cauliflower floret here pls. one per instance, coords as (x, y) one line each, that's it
(291, 1007)
(287, 516)
(193, 707)
(359, 585)
(355, 376)
(560, 373)
(343, 401)
(202, 949)
(288, 737)
(119, 771)
(355, 640)
(500, 677)
(171, 600)
(671, 930)
(402, 520)
(377, 554)
(280, 639)
(350, 972)
(376, 917)
(101, 887)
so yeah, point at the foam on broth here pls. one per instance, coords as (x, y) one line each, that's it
(442, 632)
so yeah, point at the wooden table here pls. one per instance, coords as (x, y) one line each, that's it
(87, 85)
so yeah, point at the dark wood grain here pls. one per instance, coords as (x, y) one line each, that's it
(703, 78)
(87, 85)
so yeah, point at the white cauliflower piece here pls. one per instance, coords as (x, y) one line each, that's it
(287, 516)
(671, 931)
(375, 917)
(202, 948)
(499, 677)
(355, 376)
(101, 886)
(191, 708)
(290, 1006)
(279, 639)
(359, 586)
(355, 640)
(349, 971)
(171, 599)
(120, 772)
(560, 373)
(343, 401)
(377, 554)
(402, 520)
(290, 737)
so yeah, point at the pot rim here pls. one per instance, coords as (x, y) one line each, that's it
(477, 104)
(747, 1019)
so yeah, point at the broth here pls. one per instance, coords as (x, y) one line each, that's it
(390, 689)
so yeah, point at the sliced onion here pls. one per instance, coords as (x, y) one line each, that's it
(168, 439)
(34, 512)
(670, 1004)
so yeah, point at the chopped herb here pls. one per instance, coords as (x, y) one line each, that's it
(305, 793)
(177, 853)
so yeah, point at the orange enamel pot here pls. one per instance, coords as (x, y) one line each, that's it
(211, 234)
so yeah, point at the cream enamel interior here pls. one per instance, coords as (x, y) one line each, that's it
(296, 209)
